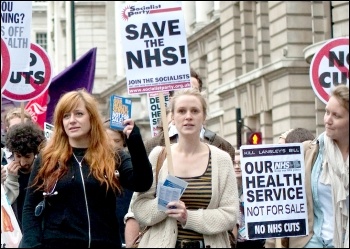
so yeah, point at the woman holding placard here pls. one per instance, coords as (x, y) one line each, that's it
(208, 207)
(71, 201)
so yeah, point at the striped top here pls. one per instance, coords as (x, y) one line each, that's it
(196, 196)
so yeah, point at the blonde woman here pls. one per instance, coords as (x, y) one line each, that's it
(328, 160)
(208, 207)
(327, 179)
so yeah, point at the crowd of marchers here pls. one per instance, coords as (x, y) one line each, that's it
(93, 186)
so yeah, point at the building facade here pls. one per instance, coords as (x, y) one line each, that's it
(254, 57)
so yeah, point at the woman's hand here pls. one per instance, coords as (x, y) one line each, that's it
(129, 126)
(178, 211)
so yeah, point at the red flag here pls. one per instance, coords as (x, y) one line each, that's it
(37, 108)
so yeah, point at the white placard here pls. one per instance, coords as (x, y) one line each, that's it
(273, 177)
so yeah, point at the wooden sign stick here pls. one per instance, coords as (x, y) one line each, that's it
(22, 112)
(278, 243)
(166, 133)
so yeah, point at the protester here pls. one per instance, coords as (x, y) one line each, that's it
(13, 117)
(24, 140)
(123, 200)
(239, 231)
(282, 137)
(132, 227)
(299, 135)
(208, 207)
(71, 201)
(327, 179)
(116, 136)
(207, 135)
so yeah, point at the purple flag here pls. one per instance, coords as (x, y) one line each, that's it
(80, 74)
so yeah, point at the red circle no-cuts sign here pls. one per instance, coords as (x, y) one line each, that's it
(330, 67)
(25, 86)
(5, 64)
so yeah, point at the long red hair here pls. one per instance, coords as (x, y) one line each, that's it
(100, 155)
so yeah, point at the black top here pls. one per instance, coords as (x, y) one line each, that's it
(82, 214)
(123, 202)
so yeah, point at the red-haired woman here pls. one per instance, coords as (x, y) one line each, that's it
(79, 175)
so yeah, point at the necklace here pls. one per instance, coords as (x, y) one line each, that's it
(78, 160)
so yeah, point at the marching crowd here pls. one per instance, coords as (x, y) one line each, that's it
(90, 186)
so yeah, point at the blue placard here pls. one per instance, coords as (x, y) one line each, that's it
(120, 110)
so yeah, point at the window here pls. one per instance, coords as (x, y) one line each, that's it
(41, 39)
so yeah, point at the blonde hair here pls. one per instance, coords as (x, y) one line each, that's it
(100, 155)
(16, 112)
(341, 93)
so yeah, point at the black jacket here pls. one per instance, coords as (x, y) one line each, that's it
(70, 219)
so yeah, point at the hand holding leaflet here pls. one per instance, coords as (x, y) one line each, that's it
(170, 190)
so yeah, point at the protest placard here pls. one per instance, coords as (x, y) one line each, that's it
(26, 86)
(48, 130)
(120, 110)
(155, 46)
(274, 193)
(16, 22)
(155, 111)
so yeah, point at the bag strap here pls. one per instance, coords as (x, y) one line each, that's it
(161, 158)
